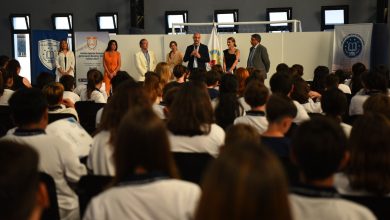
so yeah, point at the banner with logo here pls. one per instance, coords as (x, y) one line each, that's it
(90, 47)
(214, 48)
(45, 45)
(352, 44)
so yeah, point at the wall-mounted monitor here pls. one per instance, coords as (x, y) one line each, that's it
(279, 14)
(333, 15)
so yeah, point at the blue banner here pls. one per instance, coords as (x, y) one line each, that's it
(45, 45)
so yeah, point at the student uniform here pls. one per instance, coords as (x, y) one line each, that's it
(6, 96)
(97, 96)
(58, 160)
(152, 196)
(100, 159)
(208, 143)
(301, 113)
(59, 109)
(256, 119)
(71, 96)
(309, 202)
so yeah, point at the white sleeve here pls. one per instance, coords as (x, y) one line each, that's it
(72, 166)
(98, 97)
(94, 211)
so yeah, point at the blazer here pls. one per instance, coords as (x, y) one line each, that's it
(142, 65)
(260, 59)
(204, 56)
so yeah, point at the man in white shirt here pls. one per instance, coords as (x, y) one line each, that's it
(29, 110)
(145, 60)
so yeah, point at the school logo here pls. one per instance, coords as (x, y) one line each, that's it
(352, 45)
(91, 42)
(47, 49)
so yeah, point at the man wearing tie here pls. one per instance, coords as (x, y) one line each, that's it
(258, 56)
(145, 60)
(197, 54)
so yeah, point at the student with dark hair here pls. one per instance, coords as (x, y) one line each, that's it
(68, 82)
(379, 103)
(367, 172)
(181, 73)
(228, 107)
(29, 111)
(13, 67)
(373, 83)
(319, 150)
(128, 95)
(191, 121)
(302, 94)
(282, 84)
(342, 76)
(6, 82)
(240, 132)
(256, 95)
(23, 196)
(92, 91)
(280, 112)
(144, 185)
(4, 61)
(334, 103)
(331, 82)
(245, 182)
(212, 81)
(282, 68)
(297, 70)
(320, 74)
(53, 93)
(198, 75)
(43, 79)
(356, 83)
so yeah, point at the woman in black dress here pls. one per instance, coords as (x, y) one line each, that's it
(231, 56)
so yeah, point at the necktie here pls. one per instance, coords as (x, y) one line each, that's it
(252, 52)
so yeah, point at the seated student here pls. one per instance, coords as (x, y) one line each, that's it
(282, 84)
(367, 172)
(127, 95)
(373, 83)
(302, 94)
(319, 150)
(144, 185)
(228, 108)
(245, 182)
(153, 88)
(19, 82)
(256, 95)
(53, 93)
(238, 133)
(379, 103)
(280, 112)
(43, 79)
(212, 81)
(181, 73)
(29, 110)
(191, 122)
(23, 196)
(68, 82)
(6, 82)
(92, 91)
(119, 78)
(334, 103)
(342, 76)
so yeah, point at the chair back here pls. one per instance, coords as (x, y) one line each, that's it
(192, 166)
(6, 121)
(90, 186)
(51, 213)
(379, 206)
(86, 111)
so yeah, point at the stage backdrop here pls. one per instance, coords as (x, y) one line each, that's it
(352, 44)
(90, 47)
(45, 45)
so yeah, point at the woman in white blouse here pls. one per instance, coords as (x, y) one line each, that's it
(64, 61)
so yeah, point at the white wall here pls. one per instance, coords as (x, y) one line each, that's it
(309, 49)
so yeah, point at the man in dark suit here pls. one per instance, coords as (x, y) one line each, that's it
(197, 54)
(258, 56)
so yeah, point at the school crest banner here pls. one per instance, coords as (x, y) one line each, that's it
(45, 45)
(352, 44)
(214, 48)
(90, 47)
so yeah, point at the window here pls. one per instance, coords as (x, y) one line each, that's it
(107, 22)
(21, 30)
(333, 15)
(226, 16)
(176, 17)
(64, 22)
(279, 14)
